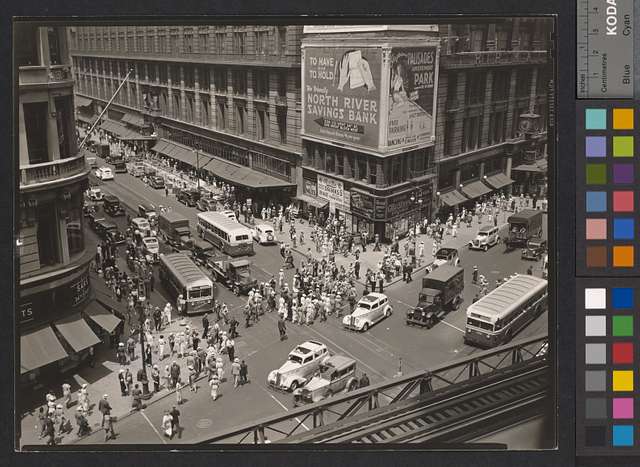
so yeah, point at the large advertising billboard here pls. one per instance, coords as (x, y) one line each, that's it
(413, 78)
(341, 94)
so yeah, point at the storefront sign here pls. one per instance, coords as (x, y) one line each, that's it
(361, 204)
(380, 208)
(331, 189)
(25, 312)
(80, 290)
(341, 94)
(412, 91)
(310, 188)
(399, 205)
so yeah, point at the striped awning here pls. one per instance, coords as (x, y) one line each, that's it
(498, 180)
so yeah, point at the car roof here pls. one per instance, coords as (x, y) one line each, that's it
(339, 361)
(372, 297)
(111, 198)
(447, 249)
(486, 228)
(311, 345)
(139, 219)
(150, 238)
(264, 226)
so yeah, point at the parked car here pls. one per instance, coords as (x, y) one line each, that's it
(445, 255)
(207, 204)
(108, 230)
(336, 374)
(104, 173)
(534, 249)
(486, 237)
(112, 206)
(141, 224)
(148, 212)
(156, 182)
(150, 246)
(371, 308)
(137, 169)
(94, 194)
(93, 218)
(188, 197)
(264, 234)
(230, 214)
(302, 362)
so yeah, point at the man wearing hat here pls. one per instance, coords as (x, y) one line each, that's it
(123, 382)
(104, 407)
(474, 277)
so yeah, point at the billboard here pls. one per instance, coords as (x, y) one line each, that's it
(331, 189)
(341, 94)
(412, 87)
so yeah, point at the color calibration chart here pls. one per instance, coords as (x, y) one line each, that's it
(608, 282)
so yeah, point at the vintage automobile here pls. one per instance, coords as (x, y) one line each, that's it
(151, 247)
(141, 224)
(112, 206)
(206, 204)
(234, 273)
(445, 255)
(188, 197)
(108, 230)
(156, 182)
(94, 194)
(89, 208)
(534, 249)
(104, 173)
(487, 236)
(136, 169)
(93, 218)
(201, 251)
(230, 214)
(264, 234)
(371, 308)
(336, 374)
(303, 361)
(148, 211)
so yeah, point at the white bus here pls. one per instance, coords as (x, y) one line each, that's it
(229, 236)
(179, 275)
(498, 316)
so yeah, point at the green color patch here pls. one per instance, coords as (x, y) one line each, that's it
(622, 326)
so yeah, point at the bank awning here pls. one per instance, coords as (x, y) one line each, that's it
(102, 317)
(528, 168)
(176, 151)
(318, 203)
(453, 198)
(475, 189)
(498, 180)
(76, 332)
(82, 101)
(39, 348)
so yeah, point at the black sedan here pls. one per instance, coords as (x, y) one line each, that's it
(156, 182)
(534, 249)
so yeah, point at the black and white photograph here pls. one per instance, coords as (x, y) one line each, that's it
(291, 234)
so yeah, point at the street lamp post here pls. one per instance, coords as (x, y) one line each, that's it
(416, 200)
(197, 151)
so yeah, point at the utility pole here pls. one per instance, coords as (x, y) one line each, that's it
(105, 109)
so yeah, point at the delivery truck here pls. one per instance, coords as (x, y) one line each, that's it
(174, 229)
(523, 226)
(441, 292)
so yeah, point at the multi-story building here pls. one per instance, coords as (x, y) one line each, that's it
(230, 92)
(53, 260)
(491, 83)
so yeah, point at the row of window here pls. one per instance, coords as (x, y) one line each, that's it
(220, 233)
(363, 167)
(206, 76)
(258, 40)
(478, 37)
(27, 45)
(36, 118)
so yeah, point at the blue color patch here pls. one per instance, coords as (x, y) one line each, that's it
(623, 229)
(596, 201)
(623, 435)
(622, 297)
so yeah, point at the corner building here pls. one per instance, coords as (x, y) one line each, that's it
(490, 85)
(53, 260)
(231, 93)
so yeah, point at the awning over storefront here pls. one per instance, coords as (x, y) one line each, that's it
(76, 332)
(527, 168)
(475, 189)
(498, 180)
(220, 168)
(543, 164)
(102, 317)
(82, 118)
(122, 132)
(453, 198)
(82, 101)
(134, 120)
(318, 203)
(39, 348)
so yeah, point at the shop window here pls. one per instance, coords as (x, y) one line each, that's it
(281, 116)
(262, 124)
(470, 172)
(48, 242)
(35, 124)
(221, 119)
(55, 52)
(64, 121)
(74, 225)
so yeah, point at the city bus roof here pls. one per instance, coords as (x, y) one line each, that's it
(501, 301)
(223, 222)
(185, 270)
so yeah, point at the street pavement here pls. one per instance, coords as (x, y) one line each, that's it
(387, 349)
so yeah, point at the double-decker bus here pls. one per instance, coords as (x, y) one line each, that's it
(502, 313)
(228, 235)
(180, 275)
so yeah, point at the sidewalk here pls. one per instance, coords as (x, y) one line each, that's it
(103, 377)
(370, 258)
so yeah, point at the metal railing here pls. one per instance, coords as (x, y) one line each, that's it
(50, 171)
(340, 407)
(495, 57)
(40, 75)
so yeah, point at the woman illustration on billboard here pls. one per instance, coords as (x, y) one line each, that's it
(400, 83)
